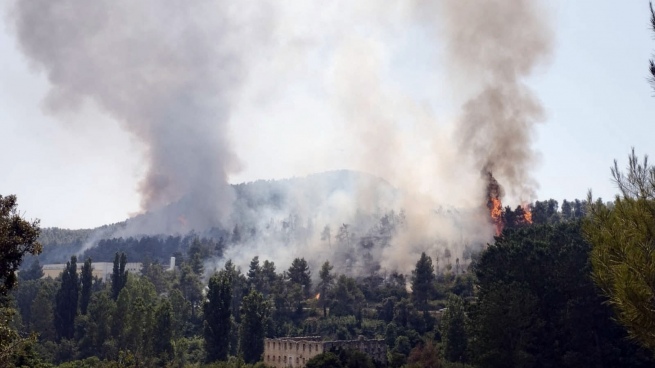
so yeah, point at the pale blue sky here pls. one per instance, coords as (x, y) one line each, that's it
(70, 173)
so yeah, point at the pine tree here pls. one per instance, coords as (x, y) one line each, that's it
(255, 275)
(217, 310)
(623, 236)
(325, 285)
(423, 281)
(299, 274)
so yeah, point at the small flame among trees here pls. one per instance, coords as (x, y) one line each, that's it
(521, 216)
(494, 204)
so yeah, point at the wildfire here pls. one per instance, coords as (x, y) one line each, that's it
(496, 211)
(182, 220)
(527, 214)
(318, 296)
(495, 206)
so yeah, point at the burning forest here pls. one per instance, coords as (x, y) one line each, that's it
(306, 175)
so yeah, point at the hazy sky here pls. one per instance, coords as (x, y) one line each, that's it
(70, 173)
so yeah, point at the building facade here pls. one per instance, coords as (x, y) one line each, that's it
(296, 351)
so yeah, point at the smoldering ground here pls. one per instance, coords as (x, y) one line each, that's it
(185, 78)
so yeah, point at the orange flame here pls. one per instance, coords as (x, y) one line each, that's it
(496, 212)
(527, 214)
(318, 296)
(494, 193)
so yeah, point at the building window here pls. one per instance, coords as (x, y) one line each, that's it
(310, 348)
(303, 347)
(285, 346)
(285, 358)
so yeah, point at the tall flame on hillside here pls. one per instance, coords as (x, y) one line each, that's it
(527, 214)
(494, 203)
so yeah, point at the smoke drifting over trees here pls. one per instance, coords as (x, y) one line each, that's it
(168, 73)
(178, 76)
(500, 46)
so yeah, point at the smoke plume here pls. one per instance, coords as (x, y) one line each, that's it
(168, 72)
(179, 75)
(493, 47)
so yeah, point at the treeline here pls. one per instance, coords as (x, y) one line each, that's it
(154, 248)
(527, 300)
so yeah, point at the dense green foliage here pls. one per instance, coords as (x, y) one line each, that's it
(528, 300)
(17, 238)
(623, 235)
(538, 306)
(218, 322)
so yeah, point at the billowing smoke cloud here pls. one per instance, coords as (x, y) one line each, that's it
(168, 72)
(174, 74)
(492, 47)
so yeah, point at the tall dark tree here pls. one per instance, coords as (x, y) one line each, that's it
(538, 306)
(325, 285)
(100, 311)
(87, 283)
(423, 282)
(453, 330)
(239, 287)
(255, 312)
(17, 238)
(269, 277)
(66, 301)
(191, 287)
(163, 332)
(42, 321)
(299, 274)
(218, 312)
(255, 275)
(196, 257)
(119, 275)
(567, 210)
(347, 299)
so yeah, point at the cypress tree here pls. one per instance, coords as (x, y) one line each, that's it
(119, 275)
(66, 301)
(255, 312)
(217, 310)
(87, 282)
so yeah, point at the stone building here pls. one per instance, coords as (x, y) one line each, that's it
(294, 352)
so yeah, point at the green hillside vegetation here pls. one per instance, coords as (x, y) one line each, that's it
(527, 300)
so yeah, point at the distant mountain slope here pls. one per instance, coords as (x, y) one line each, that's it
(320, 197)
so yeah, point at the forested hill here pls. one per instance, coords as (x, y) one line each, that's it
(255, 202)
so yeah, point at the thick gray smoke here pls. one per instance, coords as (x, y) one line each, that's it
(492, 47)
(169, 72)
(178, 74)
